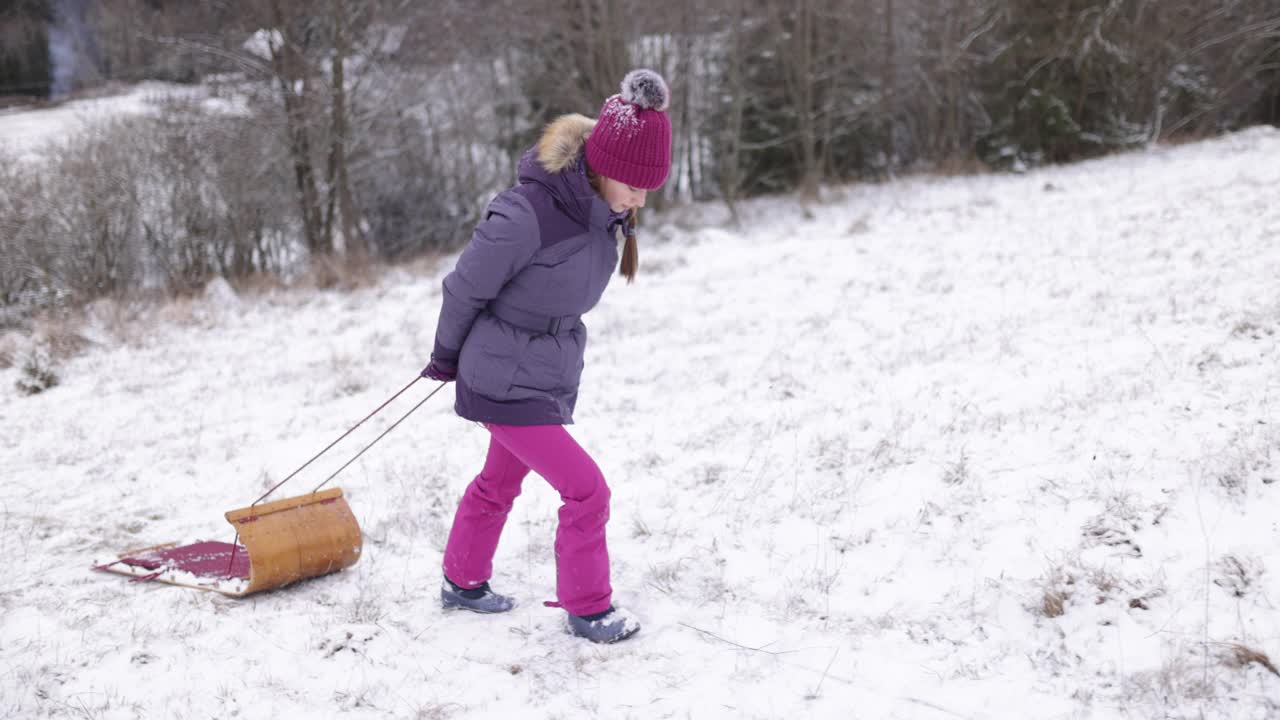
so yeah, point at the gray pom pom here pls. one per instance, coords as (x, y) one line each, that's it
(646, 89)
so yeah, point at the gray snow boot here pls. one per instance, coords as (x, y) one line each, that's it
(478, 599)
(609, 626)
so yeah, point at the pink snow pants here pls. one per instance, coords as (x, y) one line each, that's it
(582, 559)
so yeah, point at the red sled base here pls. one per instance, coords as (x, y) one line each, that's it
(203, 565)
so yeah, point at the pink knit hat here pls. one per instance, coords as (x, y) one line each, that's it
(631, 142)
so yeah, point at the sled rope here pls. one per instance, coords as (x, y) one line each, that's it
(235, 544)
(384, 434)
(340, 439)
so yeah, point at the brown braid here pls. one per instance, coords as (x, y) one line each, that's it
(630, 254)
(630, 251)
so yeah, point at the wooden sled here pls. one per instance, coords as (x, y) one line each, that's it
(281, 542)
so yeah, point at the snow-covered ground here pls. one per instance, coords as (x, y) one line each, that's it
(980, 447)
(23, 130)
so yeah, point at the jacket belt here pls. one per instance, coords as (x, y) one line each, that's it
(533, 322)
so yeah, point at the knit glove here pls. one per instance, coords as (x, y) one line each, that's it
(440, 371)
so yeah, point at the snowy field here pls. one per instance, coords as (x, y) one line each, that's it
(23, 131)
(981, 447)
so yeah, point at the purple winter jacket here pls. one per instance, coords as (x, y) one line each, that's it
(540, 258)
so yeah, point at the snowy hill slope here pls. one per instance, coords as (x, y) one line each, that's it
(985, 447)
(25, 131)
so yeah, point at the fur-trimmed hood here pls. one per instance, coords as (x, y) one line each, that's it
(562, 142)
(557, 164)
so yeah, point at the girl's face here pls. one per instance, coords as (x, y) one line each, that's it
(621, 196)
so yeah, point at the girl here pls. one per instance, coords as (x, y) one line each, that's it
(511, 334)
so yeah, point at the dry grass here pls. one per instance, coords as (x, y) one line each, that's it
(639, 529)
(665, 577)
(1059, 586)
(429, 263)
(961, 164)
(257, 284)
(62, 335)
(1242, 656)
(180, 312)
(1179, 677)
(331, 272)
(1105, 583)
(1054, 602)
(958, 472)
(1252, 330)
(1185, 138)
(10, 349)
(860, 226)
(117, 319)
(1063, 583)
(1238, 576)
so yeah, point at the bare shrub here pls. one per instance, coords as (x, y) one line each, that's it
(203, 189)
(142, 205)
(69, 225)
(24, 282)
(38, 373)
(215, 206)
(91, 195)
(419, 193)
